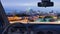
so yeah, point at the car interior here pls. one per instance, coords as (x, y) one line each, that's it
(27, 28)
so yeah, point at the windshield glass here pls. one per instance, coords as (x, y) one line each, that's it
(27, 11)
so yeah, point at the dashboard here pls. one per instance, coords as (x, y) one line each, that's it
(19, 28)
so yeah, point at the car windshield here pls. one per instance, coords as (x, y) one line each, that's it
(27, 11)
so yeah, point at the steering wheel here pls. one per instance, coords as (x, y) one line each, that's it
(16, 28)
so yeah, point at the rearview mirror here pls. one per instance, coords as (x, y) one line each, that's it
(45, 4)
